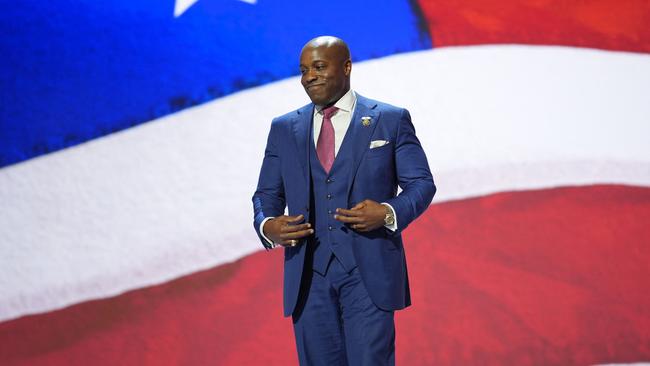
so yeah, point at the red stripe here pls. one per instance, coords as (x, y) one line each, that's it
(605, 24)
(550, 277)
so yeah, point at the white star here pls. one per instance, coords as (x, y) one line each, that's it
(182, 5)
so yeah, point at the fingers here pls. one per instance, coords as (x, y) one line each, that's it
(354, 216)
(350, 219)
(360, 227)
(290, 243)
(351, 212)
(294, 219)
(293, 238)
(354, 211)
(362, 217)
(291, 234)
(296, 234)
(295, 231)
(293, 228)
(282, 230)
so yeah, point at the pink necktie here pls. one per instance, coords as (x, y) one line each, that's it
(325, 144)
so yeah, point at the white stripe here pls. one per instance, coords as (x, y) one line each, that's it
(496, 118)
(171, 197)
(181, 6)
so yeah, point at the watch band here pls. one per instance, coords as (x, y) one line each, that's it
(389, 219)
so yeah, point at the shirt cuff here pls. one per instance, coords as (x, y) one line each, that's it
(392, 227)
(268, 241)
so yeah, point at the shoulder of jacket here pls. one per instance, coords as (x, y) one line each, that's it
(378, 105)
(287, 117)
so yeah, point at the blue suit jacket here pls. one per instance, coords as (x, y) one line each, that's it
(284, 182)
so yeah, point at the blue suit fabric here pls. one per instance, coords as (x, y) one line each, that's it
(329, 234)
(291, 176)
(337, 324)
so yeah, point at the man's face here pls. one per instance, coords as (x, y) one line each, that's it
(325, 74)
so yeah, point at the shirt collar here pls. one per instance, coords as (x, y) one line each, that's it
(345, 103)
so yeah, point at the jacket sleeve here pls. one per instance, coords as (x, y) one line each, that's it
(413, 175)
(269, 198)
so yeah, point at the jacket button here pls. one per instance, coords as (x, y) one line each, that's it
(330, 228)
(329, 196)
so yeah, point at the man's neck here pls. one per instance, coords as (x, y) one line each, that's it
(345, 102)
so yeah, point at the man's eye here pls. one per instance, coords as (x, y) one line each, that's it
(320, 67)
(303, 71)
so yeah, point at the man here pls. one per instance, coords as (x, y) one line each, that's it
(336, 163)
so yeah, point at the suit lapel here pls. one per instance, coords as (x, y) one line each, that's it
(356, 141)
(301, 130)
(360, 133)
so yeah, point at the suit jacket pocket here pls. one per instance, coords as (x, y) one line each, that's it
(382, 151)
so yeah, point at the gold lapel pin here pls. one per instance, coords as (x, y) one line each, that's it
(365, 121)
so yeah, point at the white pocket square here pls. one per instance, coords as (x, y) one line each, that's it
(378, 143)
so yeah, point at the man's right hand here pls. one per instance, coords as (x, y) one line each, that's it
(287, 230)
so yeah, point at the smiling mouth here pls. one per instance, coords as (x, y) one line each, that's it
(314, 86)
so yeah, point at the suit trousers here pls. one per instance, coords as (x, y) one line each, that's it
(336, 322)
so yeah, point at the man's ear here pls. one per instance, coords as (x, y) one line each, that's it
(347, 67)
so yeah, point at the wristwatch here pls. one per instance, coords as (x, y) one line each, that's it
(389, 219)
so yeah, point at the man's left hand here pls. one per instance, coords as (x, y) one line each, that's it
(365, 216)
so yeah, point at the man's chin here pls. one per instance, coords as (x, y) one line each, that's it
(317, 101)
(316, 97)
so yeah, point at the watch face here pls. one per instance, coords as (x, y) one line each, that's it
(390, 217)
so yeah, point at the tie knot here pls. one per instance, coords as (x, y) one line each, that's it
(329, 111)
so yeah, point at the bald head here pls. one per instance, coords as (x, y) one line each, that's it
(325, 67)
(336, 44)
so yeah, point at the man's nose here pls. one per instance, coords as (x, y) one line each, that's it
(310, 76)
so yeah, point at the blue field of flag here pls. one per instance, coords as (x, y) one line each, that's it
(72, 71)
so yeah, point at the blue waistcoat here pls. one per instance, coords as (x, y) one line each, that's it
(329, 192)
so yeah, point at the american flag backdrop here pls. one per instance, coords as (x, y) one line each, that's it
(132, 132)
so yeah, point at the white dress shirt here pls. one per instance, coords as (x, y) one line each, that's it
(341, 121)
